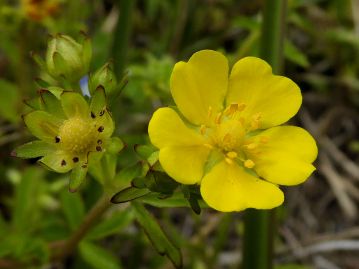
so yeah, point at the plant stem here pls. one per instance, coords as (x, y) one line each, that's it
(122, 36)
(68, 247)
(259, 225)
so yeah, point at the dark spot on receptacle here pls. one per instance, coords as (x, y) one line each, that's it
(98, 148)
(99, 141)
(57, 139)
(75, 159)
(84, 166)
(93, 115)
(102, 112)
(100, 129)
(63, 163)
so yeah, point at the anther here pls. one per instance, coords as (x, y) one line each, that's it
(208, 146)
(75, 159)
(63, 163)
(102, 112)
(249, 163)
(229, 161)
(231, 109)
(84, 166)
(98, 148)
(99, 141)
(251, 146)
(57, 139)
(100, 129)
(93, 115)
(232, 155)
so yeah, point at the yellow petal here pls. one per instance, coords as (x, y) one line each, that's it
(184, 164)
(166, 128)
(199, 84)
(275, 98)
(287, 156)
(228, 187)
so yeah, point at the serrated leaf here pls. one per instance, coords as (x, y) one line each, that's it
(98, 257)
(129, 194)
(115, 223)
(33, 149)
(158, 238)
(73, 208)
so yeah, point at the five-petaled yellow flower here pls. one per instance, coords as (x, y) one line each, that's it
(224, 132)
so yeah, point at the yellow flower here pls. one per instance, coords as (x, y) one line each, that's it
(37, 10)
(223, 134)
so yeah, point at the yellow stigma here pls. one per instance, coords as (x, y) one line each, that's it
(77, 135)
(232, 155)
(249, 163)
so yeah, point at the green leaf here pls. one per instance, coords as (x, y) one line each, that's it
(126, 175)
(77, 177)
(73, 208)
(26, 213)
(176, 200)
(98, 257)
(154, 232)
(33, 149)
(129, 194)
(293, 54)
(115, 223)
(9, 99)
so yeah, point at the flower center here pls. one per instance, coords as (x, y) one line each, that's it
(78, 135)
(230, 134)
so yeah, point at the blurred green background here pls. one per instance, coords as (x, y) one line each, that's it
(318, 225)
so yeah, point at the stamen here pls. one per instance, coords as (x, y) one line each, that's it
(75, 159)
(202, 129)
(231, 109)
(241, 106)
(210, 110)
(218, 118)
(249, 163)
(57, 139)
(98, 148)
(102, 112)
(63, 163)
(93, 115)
(99, 141)
(232, 155)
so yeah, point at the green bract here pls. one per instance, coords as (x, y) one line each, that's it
(72, 134)
(68, 59)
(103, 77)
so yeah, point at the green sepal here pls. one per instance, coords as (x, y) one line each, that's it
(43, 125)
(33, 149)
(57, 91)
(42, 83)
(60, 64)
(128, 194)
(156, 235)
(51, 104)
(40, 62)
(115, 145)
(86, 52)
(144, 151)
(77, 177)
(191, 193)
(98, 101)
(34, 103)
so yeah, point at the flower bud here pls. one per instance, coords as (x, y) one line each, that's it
(105, 77)
(68, 59)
